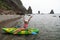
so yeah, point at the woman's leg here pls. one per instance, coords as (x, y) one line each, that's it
(17, 30)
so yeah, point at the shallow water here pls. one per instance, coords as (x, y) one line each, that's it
(48, 24)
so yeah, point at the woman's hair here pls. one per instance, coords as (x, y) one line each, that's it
(26, 21)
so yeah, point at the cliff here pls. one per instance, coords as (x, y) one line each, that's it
(15, 5)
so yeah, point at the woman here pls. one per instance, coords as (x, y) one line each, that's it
(24, 27)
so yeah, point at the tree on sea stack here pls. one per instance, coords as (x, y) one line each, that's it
(29, 10)
(52, 12)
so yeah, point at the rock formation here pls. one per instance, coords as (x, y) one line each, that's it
(52, 12)
(14, 5)
(29, 10)
(38, 12)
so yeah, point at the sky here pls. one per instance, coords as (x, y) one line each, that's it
(44, 6)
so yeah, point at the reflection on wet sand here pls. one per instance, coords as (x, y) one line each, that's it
(47, 24)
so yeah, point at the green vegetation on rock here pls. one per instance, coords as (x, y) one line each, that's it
(3, 5)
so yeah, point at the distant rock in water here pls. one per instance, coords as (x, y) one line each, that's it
(28, 14)
(59, 16)
(54, 16)
(38, 12)
(52, 12)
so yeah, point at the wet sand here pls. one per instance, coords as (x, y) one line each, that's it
(48, 25)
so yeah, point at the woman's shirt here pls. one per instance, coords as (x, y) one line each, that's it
(25, 25)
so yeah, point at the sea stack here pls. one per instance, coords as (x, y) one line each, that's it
(52, 12)
(38, 12)
(29, 10)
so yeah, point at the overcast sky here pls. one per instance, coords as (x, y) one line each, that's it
(44, 6)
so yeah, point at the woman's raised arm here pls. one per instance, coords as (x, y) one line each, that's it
(29, 18)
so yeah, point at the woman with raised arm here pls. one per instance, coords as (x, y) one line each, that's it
(26, 22)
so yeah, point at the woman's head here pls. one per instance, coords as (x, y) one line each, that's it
(26, 21)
